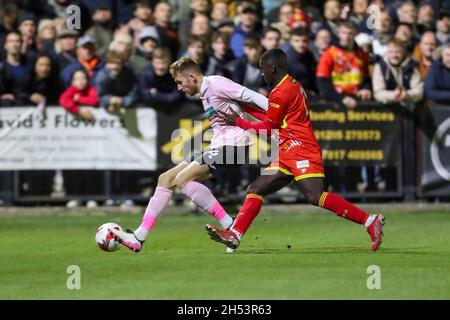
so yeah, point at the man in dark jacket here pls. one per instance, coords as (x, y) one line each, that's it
(220, 54)
(156, 86)
(301, 62)
(245, 70)
(15, 71)
(116, 83)
(437, 82)
(67, 42)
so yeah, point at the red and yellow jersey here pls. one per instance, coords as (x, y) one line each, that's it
(289, 112)
(347, 69)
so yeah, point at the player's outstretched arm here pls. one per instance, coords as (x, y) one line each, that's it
(246, 98)
(233, 119)
(254, 98)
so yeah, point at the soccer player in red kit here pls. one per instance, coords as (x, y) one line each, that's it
(299, 158)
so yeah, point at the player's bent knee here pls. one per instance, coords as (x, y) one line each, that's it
(166, 180)
(255, 189)
(181, 180)
(313, 198)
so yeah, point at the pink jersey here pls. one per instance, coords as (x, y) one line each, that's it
(220, 93)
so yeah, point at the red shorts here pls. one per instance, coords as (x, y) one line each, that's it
(300, 163)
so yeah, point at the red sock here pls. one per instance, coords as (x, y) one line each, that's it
(248, 213)
(342, 207)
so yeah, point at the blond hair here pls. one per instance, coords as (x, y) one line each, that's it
(184, 64)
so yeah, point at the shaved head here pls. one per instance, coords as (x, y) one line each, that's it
(273, 64)
(275, 57)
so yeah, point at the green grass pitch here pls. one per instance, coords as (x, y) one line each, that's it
(283, 256)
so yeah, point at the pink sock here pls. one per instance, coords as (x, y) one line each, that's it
(200, 195)
(218, 211)
(156, 205)
(204, 198)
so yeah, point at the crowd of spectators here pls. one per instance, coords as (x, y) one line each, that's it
(345, 51)
(342, 51)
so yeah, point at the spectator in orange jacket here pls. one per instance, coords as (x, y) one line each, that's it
(80, 93)
(343, 70)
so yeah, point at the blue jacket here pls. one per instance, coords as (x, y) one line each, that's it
(237, 40)
(437, 82)
(18, 87)
(67, 72)
(166, 98)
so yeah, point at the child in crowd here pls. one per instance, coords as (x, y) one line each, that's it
(80, 93)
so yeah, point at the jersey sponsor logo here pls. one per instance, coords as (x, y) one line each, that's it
(288, 145)
(302, 164)
(274, 105)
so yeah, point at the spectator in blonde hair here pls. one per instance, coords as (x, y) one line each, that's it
(46, 36)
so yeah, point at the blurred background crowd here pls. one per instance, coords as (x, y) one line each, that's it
(345, 52)
(341, 51)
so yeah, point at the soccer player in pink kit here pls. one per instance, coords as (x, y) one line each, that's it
(228, 145)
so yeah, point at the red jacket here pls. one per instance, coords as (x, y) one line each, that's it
(87, 97)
